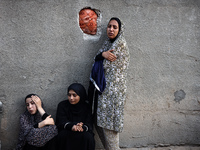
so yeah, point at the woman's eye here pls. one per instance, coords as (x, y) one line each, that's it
(115, 27)
(74, 95)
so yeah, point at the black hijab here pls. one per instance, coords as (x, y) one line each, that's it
(81, 92)
(74, 113)
(119, 23)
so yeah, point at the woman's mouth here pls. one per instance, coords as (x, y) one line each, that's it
(31, 111)
(110, 34)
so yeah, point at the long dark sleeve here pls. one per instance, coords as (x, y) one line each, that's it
(44, 116)
(99, 57)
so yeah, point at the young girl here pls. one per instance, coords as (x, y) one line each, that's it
(37, 128)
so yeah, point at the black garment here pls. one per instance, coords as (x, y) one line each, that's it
(92, 91)
(99, 57)
(44, 116)
(68, 115)
(69, 140)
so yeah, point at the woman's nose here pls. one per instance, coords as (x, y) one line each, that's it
(30, 106)
(111, 28)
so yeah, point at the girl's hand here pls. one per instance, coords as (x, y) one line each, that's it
(38, 104)
(49, 121)
(109, 55)
(37, 101)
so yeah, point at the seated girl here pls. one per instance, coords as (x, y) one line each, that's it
(74, 121)
(37, 128)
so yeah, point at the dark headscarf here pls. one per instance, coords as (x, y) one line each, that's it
(73, 113)
(119, 24)
(80, 91)
(29, 96)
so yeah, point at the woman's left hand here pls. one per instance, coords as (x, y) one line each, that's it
(47, 121)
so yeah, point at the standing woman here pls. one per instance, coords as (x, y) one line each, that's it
(37, 129)
(110, 84)
(74, 121)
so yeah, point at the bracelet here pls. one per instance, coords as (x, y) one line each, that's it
(86, 128)
(66, 125)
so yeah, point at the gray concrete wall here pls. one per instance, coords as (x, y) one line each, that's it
(43, 50)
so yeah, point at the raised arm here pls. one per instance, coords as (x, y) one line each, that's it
(47, 120)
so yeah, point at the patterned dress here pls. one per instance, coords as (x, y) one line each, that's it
(111, 102)
(37, 137)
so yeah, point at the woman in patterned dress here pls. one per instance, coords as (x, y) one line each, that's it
(37, 128)
(110, 85)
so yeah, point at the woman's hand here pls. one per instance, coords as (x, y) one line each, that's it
(78, 127)
(109, 55)
(37, 101)
(38, 104)
(47, 121)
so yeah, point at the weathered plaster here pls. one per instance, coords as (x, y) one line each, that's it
(43, 50)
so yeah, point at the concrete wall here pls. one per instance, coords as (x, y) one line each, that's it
(43, 51)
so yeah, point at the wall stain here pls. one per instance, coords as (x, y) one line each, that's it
(179, 95)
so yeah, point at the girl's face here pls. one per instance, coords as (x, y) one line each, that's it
(73, 97)
(112, 29)
(31, 107)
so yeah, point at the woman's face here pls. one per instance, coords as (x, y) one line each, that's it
(73, 97)
(112, 29)
(31, 107)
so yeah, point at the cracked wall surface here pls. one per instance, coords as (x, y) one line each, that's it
(43, 50)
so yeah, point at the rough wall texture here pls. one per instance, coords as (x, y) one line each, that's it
(43, 50)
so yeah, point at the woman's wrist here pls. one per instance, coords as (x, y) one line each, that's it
(41, 111)
(99, 57)
(103, 54)
(42, 124)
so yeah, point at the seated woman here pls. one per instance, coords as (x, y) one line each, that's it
(37, 128)
(74, 121)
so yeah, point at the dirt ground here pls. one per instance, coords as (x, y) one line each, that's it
(164, 148)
